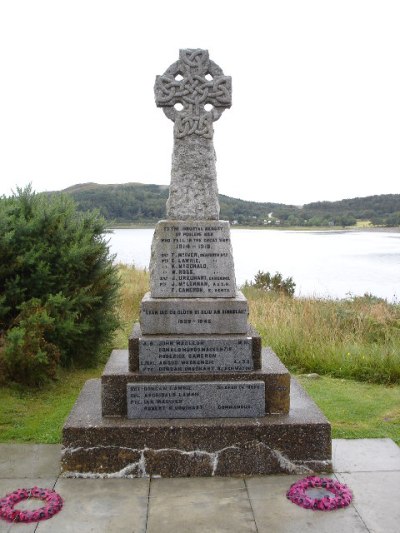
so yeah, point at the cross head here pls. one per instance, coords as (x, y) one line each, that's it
(185, 89)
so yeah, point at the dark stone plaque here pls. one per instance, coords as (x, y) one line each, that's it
(195, 355)
(196, 399)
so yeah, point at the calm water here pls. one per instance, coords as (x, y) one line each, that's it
(322, 263)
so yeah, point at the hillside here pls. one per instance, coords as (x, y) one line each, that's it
(379, 210)
(141, 203)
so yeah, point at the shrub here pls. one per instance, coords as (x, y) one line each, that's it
(29, 357)
(268, 283)
(55, 262)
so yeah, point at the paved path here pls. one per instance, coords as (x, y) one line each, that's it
(370, 467)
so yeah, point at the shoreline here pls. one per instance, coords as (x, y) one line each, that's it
(395, 229)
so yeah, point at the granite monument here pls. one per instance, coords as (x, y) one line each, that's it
(195, 393)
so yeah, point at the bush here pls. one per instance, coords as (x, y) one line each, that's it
(268, 283)
(29, 357)
(55, 272)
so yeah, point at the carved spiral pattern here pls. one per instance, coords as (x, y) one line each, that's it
(193, 91)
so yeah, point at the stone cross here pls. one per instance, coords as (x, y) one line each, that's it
(185, 91)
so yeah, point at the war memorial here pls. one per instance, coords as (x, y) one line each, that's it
(195, 394)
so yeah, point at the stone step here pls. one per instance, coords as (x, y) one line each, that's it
(194, 353)
(116, 376)
(194, 316)
(295, 443)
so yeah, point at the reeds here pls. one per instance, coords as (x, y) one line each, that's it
(134, 284)
(357, 338)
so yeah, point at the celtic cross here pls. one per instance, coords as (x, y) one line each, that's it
(194, 81)
(185, 91)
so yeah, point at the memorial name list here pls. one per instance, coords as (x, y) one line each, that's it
(196, 400)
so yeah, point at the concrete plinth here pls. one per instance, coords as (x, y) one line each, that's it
(297, 442)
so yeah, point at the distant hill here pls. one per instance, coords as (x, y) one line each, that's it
(141, 203)
(383, 209)
(131, 202)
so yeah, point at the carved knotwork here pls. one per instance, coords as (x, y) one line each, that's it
(193, 91)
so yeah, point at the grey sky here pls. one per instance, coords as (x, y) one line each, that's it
(316, 85)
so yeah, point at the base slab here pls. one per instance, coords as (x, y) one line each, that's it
(96, 446)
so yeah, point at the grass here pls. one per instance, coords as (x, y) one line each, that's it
(31, 415)
(357, 410)
(356, 339)
(134, 284)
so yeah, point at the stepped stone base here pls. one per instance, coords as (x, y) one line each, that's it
(116, 377)
(298, 442)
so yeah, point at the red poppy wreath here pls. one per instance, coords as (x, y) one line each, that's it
(54, 504)
(341, 494)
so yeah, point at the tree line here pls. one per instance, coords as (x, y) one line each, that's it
(142, 203)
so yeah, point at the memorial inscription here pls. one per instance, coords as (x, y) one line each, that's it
(192, 260)
(194, 315)
(196, 400)
(195, 355)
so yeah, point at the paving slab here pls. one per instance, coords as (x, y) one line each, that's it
(365, 455)
(29, 460)
(254, 504)
(376, 496)
(273, 512)
(100, 505)
(209, 505)
(9, 485)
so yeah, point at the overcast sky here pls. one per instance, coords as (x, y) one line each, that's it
(316, 94)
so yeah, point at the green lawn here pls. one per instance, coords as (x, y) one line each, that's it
(356, 410)
(31, 415)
